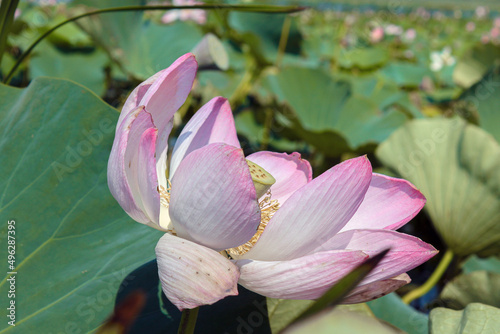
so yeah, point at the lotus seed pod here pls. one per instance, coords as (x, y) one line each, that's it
(262, 180)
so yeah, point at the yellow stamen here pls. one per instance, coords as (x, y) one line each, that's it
(268, 208)
(165, 200)
(165, 194)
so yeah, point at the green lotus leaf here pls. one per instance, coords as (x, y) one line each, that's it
(391, 309)
(483, 98)
(456, 166)
(341, 322)
(362, 58)
(326, 114)
(474, 64)
(74, 243)
(473, 263)
(477, 287)
(474, 319)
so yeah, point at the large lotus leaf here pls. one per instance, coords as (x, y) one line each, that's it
(283, 311)
(341, 322)
(405, 74)
(362, 58)
(111, 30)
(477, 287)
(391, 309)
(484, 97)
(267, 30)
(384, 93)
(74, 242)
(154, 47)
(474, 319)
(142, 48)
(326, 113)
(474, 64)
(473, 263)
(456, 166)
(48, 61)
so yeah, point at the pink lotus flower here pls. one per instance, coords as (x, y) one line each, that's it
(197, 15)
(296, 241)
(377, 34)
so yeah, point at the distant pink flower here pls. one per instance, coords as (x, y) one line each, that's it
(485, 39)
(495, 32)
(470, 26)
(377, 34)
(197, 15)
(410, 35)
(294, 242)
(496, 22)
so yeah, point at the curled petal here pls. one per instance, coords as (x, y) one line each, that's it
(213, 123)
(213, 200)
(315, 212)
(146, 176)
(164, 93)
(377, 289)
(118, 179)
(290, 171)
(307, 277)
(192, 275)
(389, 204)
(407, 252)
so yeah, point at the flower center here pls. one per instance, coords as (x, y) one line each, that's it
(268, 208)
(165, 194)
(165, 202)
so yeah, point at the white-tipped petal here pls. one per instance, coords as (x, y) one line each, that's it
(192, 275)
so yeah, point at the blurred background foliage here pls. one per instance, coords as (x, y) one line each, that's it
(415, 86)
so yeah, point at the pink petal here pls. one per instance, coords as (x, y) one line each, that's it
(213, 200)
(132, 160)
(374, 290)
(164, 92)
(307, 277)
(290, 171)
(315, 212)
(117, 175)
(146, 175)
(407, 252)
(162, 95)
(389, 204)
(213, 123)
(192, 275)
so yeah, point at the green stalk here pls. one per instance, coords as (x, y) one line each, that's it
(243, 8)
(285, 31)
(7, 11)
(436, 275)
(188, 321)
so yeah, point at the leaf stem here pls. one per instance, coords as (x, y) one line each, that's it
(188, 321)
(7, 13)
(436, 275)
(285, 31)
(244, 8)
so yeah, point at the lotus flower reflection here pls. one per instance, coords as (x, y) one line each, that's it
(292, 240)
